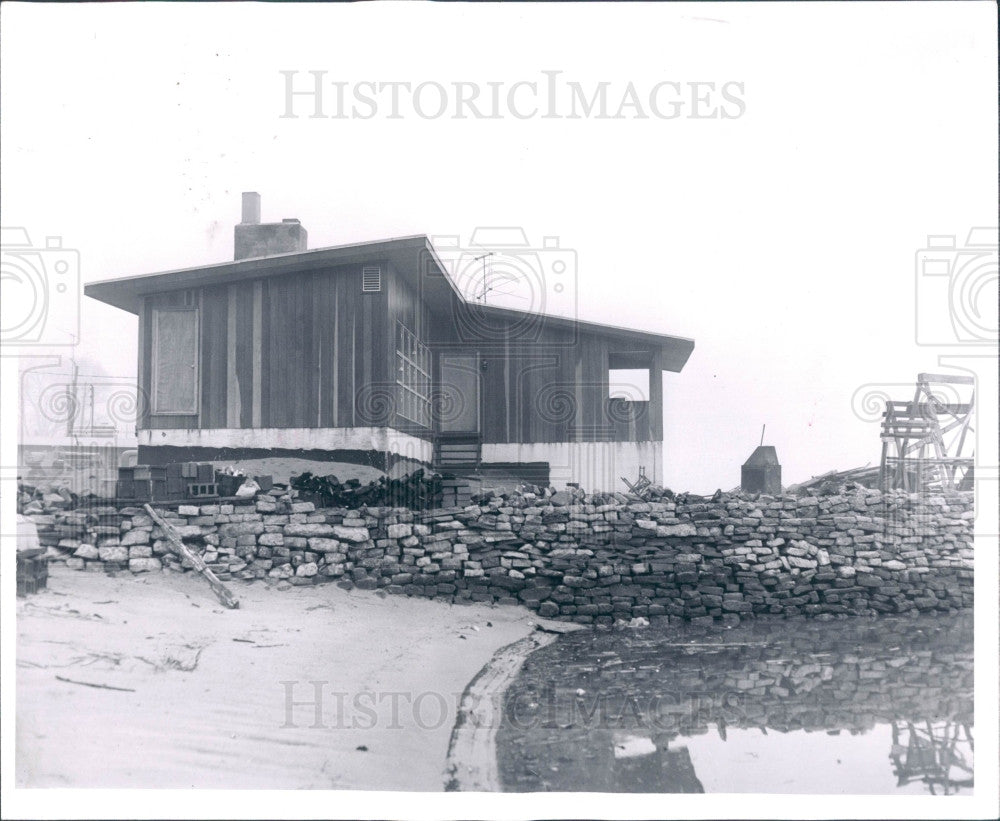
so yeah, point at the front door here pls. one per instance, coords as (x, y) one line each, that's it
(457, 408)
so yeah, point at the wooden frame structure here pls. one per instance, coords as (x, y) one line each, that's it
(939, 754)
(926, 442)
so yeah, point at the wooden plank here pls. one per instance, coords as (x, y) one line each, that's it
(286, 343)
(382, 343)
(245, 352)
(493, 396)
(299, 347)
(232, 378)
(931, 460)
(143, 394)
(308, 378)
(178, 422)
(947, 379)
(593, 354)
(641, 430)
(278, 381)
(317, 349)
(323, 323)
(334, 351)
(214, 321)
(366, 336)
(266, 358)
(656, 397)
(206, 358)
(223, 593)
(345, 351)
(577, 429)
(258, 348)
(507, 388)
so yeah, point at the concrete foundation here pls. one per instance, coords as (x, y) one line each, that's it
(376, 447)
(595, 466)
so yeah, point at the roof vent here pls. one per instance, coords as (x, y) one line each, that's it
(371, 279)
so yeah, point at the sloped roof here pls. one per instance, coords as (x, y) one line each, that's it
(413, 256)
(408, 254)
(764, 456)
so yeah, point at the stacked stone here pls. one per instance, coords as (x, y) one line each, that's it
(591, 559)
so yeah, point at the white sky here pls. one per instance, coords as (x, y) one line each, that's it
(783, 241)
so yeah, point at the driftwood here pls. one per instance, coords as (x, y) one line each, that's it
(224, 594)
(95, 686)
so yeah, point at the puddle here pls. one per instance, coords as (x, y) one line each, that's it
(842, 707)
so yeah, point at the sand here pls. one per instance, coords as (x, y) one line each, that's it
(282, 468)
(202, 701)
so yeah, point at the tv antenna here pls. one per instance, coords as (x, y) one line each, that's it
(486, 290)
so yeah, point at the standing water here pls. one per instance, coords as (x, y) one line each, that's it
(837, 707)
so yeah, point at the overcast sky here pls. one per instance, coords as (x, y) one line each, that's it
(781, 235)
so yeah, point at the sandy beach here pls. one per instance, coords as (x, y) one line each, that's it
(201, 694)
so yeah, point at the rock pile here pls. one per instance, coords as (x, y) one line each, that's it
(591, 559)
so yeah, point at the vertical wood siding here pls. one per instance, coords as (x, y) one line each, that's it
(312, 350)
(553, 387)
(293, 351)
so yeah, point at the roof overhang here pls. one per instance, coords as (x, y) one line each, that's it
(633, 346)
(411, 256)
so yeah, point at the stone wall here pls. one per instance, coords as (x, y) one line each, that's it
(590, 559)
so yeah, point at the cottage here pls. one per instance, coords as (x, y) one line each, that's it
(368, 353)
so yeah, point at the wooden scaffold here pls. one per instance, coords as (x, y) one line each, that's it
(927, 443)
(939, 754)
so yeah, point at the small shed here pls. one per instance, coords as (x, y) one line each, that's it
(762, 472)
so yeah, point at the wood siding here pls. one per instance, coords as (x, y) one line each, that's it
(299, 351)
(544, 382)
(311, 350)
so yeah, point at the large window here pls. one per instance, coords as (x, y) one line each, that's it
(631, 384)
(413, 377)
(175, 361)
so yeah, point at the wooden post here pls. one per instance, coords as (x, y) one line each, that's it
(220, 590)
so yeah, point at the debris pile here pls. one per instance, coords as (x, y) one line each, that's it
(591, 558)
(417, 490)
(43, 498)
(831, 481)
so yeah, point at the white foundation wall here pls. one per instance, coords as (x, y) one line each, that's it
(384, 440)
(595, 466)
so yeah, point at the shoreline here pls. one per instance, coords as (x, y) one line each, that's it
(472, 763)
(208, 697)
(330, 687)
